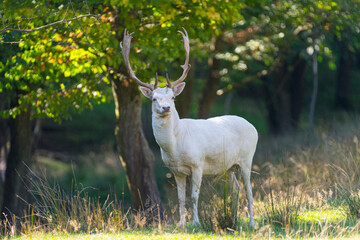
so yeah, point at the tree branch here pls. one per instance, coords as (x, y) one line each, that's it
(87, 39)
(243, 82)
(16, 42)
(2, 20)
(45, 26)
(27, 19)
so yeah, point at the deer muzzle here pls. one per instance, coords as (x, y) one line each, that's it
(166, 108)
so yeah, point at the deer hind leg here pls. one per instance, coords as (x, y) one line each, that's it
(245, 172)
(181, 188)
(235, 188)
(196, 177)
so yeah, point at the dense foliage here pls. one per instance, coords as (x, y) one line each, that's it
(53, 69)
(61, 66)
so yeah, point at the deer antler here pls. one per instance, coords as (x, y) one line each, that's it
(125, 50)
(186, 65)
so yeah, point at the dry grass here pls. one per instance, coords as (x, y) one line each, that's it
(307, 189)
(219, 206)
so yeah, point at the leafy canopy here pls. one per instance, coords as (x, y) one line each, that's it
(62, 67)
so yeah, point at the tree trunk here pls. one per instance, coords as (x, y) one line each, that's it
(227, 103)
(277, 101)
(284, 94)
(4, 138)
(18, 161)
(297, 91)
(343, 84)
(213, 80)
(314, 92)
(135, 154)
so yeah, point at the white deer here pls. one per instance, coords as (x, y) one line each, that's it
(196, 147)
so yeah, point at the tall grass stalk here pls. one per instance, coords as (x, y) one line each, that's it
(54, 209)
(220, 212)
(283, 208)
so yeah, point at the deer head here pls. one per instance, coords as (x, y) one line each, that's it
(162, 98)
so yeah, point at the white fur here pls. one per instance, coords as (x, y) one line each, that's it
(200, 147)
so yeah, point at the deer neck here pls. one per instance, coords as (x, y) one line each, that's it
(165, 130)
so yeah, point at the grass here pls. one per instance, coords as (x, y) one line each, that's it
(326, 215)
(304, 190)
(323, 222)
(219, 206)
(126, 235)
(283, 208)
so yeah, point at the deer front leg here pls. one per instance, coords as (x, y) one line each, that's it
(181, 188)
(196, 184)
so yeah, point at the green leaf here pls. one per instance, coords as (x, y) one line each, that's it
(67, 73)
(332, 65)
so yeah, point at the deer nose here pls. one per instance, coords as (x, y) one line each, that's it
(166, 108)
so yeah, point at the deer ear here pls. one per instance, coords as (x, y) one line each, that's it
(147, 92)
(178, 88)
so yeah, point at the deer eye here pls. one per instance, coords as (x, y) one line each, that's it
(173, 98)
(154, 100)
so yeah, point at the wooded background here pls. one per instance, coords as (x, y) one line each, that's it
(283, 65)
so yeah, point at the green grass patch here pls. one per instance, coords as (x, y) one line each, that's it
(52, 167)
(327, 215)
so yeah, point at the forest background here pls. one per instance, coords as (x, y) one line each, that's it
(291, 68)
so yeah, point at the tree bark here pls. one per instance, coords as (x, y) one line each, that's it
(227, 103)
(297, 91)
(277, 101)
(4, 138)
(134, 151)
(135, 154)
(314, 92)
(284, 94)
(20, 158)
(343, 83)
(213, 80)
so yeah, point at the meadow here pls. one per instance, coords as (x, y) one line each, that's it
(304, 187)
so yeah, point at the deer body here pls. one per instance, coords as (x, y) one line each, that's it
(215, 144)
(199, 147)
